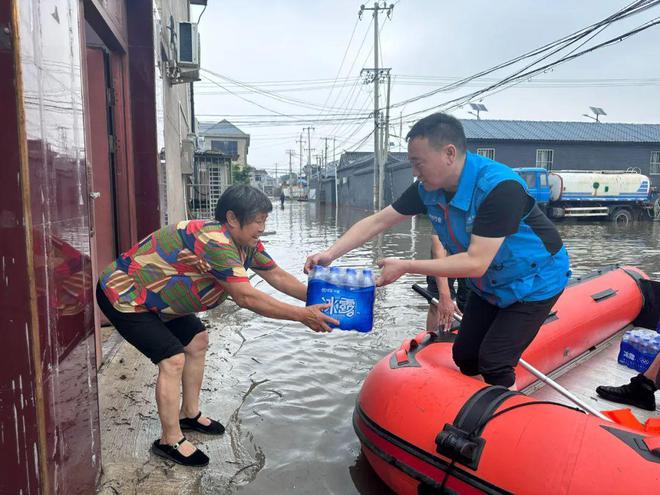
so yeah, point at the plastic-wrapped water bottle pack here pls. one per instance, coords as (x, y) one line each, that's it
(639, 348)
(350, 293)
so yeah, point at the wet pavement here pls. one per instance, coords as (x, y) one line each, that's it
(286, 393)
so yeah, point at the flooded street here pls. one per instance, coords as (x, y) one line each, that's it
(295, 417)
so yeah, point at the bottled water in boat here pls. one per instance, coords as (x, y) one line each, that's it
(350, 292)
(639, 348)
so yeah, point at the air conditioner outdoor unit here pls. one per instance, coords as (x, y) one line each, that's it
(188, 45)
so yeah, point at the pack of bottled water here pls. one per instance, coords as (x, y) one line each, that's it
(639, 347)
(350, 293)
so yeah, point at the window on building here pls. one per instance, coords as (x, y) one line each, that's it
(227, 147)
(487, 152)
(655, 162)
(544, 158)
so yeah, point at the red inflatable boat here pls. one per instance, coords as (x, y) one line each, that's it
(426, 428)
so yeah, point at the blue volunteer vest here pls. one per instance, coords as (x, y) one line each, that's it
(523, 269)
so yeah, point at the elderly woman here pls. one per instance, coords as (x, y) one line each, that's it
(152, 292)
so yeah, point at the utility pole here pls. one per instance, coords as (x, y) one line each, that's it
(336, 165)
(386, 138)
(309, 153)
(309, 173)
(300, 141)
(309, 144)
(290, 152)
(300, 166)
(319, 163)
(376, 71)
(325, 153)
(334, 149)
(276, 182)
(385, 149)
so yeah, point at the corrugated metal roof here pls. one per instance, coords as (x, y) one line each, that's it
(353, 156)
(528, 130)
(361, 158)
(221, 128)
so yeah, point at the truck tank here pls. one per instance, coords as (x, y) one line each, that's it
(598, 186)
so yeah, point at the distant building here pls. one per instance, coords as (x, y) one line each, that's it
(212, 175)
(356, 179)
(262, 180)
(568, 145)
(517, 143)
(226, 138)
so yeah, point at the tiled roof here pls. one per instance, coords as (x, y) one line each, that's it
(221, 128)
(528, 130)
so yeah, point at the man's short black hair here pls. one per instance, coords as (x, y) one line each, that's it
(245, 201)
(440, 129)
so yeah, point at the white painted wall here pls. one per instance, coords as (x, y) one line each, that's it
(177, 120)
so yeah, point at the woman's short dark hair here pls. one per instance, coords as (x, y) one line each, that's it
(440, 129)
(245, 201)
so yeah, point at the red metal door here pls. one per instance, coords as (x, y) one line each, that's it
(101, 153)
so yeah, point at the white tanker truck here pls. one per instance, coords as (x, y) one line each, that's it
(622, 196)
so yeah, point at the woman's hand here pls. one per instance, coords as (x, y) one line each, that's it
(316, 320)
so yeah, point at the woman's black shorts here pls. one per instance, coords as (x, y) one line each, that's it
(153, 337)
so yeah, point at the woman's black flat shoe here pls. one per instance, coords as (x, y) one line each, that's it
(214, 428)
(171, 452)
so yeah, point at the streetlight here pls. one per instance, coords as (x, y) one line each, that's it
(477, 107)
(597, 111)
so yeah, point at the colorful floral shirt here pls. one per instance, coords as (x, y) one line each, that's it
(177, 270)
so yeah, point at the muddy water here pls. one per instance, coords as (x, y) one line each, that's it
(296, 416)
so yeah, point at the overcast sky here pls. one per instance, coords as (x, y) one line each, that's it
(293, 49)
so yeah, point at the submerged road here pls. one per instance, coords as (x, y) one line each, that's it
(286, 393)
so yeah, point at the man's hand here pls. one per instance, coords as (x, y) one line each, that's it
(391, 270)
(316, 320)
(357, 235)
(322, 258)
(444, 312)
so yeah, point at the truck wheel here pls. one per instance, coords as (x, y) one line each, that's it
(622, 216)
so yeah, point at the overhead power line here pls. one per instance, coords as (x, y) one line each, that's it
(564, 42)
(263, 92)
(513, 79)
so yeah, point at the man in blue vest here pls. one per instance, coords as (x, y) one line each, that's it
(495, 235)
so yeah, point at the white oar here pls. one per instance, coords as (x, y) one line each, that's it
(545, 379)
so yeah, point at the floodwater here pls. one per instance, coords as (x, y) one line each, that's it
(297, 414)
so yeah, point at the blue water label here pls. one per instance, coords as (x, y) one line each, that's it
(638, 359)
(628, 355)
(351, 306)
